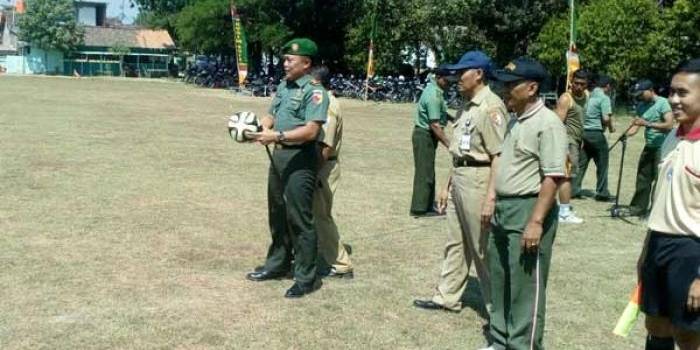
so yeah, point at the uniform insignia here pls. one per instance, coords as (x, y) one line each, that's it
(317, 97)
(510, 66)
(295, 47)
(496, 117)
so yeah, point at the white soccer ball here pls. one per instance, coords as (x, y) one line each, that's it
(241, 123)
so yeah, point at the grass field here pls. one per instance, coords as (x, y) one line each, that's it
(128, 220)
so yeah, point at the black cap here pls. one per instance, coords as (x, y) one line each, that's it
(522, 68)
(641, 86)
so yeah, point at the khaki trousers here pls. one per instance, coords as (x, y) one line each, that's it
(330, 249)
(466, 243)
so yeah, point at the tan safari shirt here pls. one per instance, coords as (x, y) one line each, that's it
(333, 128)
(484, 120)
(535, 146)
(676, 208)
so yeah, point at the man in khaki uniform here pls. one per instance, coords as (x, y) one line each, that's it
(531, 164)
(335, 259)
(470, 196)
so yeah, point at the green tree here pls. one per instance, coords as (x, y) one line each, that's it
(513, 24)
(682, 23)
(551, 44)
(206, 27)
(625, 39)
(51, 25)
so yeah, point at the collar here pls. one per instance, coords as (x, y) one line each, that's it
(690, 135)
(533, 110)
(301, 81)
(432, 80)
(480, 96)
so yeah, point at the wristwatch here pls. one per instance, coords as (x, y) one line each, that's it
(280, 136)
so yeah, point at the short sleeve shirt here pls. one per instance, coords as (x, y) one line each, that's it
(535, 146)
(599, 105)
(431, 107)
(297, 103)
(333, 128)
(484, 119)
(676, 208)
(653, 112)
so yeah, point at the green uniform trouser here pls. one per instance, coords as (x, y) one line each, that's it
(291, 223)
(330, 249)
(518, 280)
(424, 145)
(647, 171)
(466, 242)
(595, 146)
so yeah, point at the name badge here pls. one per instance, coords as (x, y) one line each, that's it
(465, 142)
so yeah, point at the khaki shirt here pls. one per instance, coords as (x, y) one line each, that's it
(676, 208)
(484, 119)
(535, 146)
(333, 128)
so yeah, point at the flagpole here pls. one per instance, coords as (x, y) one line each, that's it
(571, 23)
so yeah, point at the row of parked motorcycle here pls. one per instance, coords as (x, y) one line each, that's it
(213, 73)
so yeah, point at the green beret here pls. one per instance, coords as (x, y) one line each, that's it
(300, 47)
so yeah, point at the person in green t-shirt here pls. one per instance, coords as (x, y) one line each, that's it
(430, 120)
(597, 118)
(654, 114)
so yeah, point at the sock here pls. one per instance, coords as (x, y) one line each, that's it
(564, 209)
(657, 343)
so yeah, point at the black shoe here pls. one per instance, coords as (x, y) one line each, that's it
(298, 290)
(604, 198)
(263, 275)
(427, 214)
(334, 274)
(430, 305)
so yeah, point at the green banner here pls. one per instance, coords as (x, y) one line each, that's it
(241, 45)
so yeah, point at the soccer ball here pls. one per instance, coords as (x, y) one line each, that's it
(241, 123)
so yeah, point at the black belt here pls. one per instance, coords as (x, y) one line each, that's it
(332, 158)
(459, 163)
(283, 146)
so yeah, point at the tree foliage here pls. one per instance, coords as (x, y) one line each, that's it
(627, 39)
(51, 25)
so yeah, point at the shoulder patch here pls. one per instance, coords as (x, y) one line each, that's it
(495, 116)
(317, 97)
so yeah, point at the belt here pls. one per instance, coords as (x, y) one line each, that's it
(459, 163)
(332, 158)
(517, 196)
(283, 146)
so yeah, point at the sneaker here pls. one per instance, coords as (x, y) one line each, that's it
(570, 218)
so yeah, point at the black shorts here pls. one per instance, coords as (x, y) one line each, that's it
(670, 266)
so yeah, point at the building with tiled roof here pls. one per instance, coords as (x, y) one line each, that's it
(105, 50)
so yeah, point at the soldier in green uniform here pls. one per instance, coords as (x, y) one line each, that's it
(570, 109)
(469, 197)
(597, 118)
(293, 125)
(532, 162)
(430, 120)
(654, 114)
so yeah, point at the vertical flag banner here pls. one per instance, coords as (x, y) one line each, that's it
(370, 59)
(573, 62)
(241, 45)
(629, 317)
